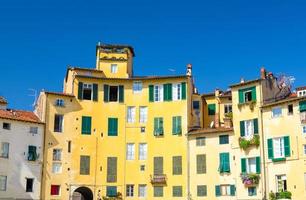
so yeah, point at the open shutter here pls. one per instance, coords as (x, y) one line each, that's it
(241, 99)
(218, 191)
(227, 167)
(302, 105)
(80, 91)
(253, 93)
(270, 149)
(255, 121)
(86, 125)
(287, 146)
(184, 90)
(121, 93)
(177, 165)
(165, 92)
(242, 129)
(106, 93)
(258, 165)
(95, 92)
(155, 126)
(233, 190)
(179, 125)
(151, 93)
(169, 92)
(243, 165)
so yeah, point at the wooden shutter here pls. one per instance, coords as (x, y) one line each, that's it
(211, 109)
(302, 106)
(112, 126)
(86, 125)
(201, 164)
(151, 93)
(255, 121)
(177, 191)
(233, 190)
(241, 96)
(112, 169)
(242, 129)
(177, 165)
(95, 92)
(155, 126)
(165, 92)
(270, 149)
(287, 146)
(227, 162)
(243, 165)
(169, 92)
(158, 165)
(106, 93)
(184, 90)
(179, 125)
(258, 165)
(80, 91)
(253, 93)
(174, 125)
(121, 93)
(218, 191)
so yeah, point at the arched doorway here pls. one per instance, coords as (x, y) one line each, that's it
(82, 193)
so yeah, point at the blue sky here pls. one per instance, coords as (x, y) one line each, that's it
(224, 40)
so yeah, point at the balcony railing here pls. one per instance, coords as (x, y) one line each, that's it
(159, 179)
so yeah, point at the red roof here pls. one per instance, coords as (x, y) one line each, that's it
(301, 88)
(19, 115)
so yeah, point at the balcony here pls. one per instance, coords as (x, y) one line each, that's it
(159, 179)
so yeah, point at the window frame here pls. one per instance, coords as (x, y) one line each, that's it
(61, 102)
(249, 131)
(289, 107)
(158, 93)
(277, 114)
(245, 97)
(137, 87)
(130, 151)
(130, 190)
(33, 128)
(61, 125)
(3, 179)
(222, 140)
(31, 186)
(3, 155)
(144, 191)
(131, 114)
(114, 68)
(155, 191)
(252, 193)
(279, 179)
(228, 108)
(58, 188)
(200, 141)
(281, 148)
(226, 188)
(6, 126)
(143, 151)
(87, 86)
(143, 114)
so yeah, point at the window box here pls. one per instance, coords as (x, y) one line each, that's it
(245, 143)
(250, 179)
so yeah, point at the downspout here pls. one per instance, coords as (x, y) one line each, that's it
(95, 185)
(187, 140)
(42, 186)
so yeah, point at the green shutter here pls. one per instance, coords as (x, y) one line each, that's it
(177, 165)
(241, 96)
(80, 91)
(32, 154)
(165, 92)
(151, 93)
(253, 93)
(184, 90)
(211, 109)
(111, 169)
(270, 149)
(121, 93)
(112, 126)
(233, 190)
(106, 93)
(95, 92)
(243, 165)
(302, 106)
(218, 191)
(224, 166)
(287, 146)
(176, 125)
(111, 191)
(242, 129)
(258, 165)
(255, 121)
(179, 125)
(169, 92)
(155, 126)
(158, 165)
(158, 126)
(86, 125)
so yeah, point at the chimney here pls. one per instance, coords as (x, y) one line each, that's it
(189, 70)
(242, 80)
(263, 73)
(217, 92)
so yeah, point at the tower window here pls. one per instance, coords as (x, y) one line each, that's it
(114, 68)
(113, 93)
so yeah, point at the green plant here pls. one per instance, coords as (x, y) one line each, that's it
(272, 196)
(229, 115)
(117, 197)
(246, 143)
(283, 195)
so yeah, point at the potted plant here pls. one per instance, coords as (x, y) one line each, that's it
(250, 179)
(285, 195)
(245, 143)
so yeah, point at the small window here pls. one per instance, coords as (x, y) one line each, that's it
(131, 114)
(143, 151)
(137, 87)
(158, 93)
(57, 154)
(56, 167)
(3, 182)
(6, 126)
(225, 190)
(87, 91)
(114, 68)
(228, 108)
(196, 105)
(201, 190)
(276, 112)
(58, 123)
(248, 96)
(223, 139)
(142, 168)
(29, 184)
(211, 109)
(158, 191)
(304, 149)
(84, 165)
(278, 147)
(252, 191)
(34, 130)
(32, 153)
(130, 151)
(60, 102)
(177, 191)
(143, 129)
(5, 149)
(143, 114)
(142, 190)
(129, 190)
(55, 190)
(281, 183)
(111, 191)
(290, 109)
(200, 141)
(113, 93)
(304, 130)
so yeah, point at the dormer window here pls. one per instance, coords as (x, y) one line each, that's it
(114, 68)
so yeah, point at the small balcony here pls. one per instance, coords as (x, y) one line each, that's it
(159, 179)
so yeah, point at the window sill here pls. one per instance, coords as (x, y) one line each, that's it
(278, 159)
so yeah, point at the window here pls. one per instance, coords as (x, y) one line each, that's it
(69, 146)
(228, 108)
(86, 125)
(60, 102)
(129, 190)
(84, 165)
(143, 149)
(142, 190)
(3, 182)
(247, 95)
(57, 157)
(137, 87)
(58, 123)
(112, 126)
(6, 126)
(276, 112)
(177, 165)
(211, 109)
(304, 129)
(224, 166)
(225, 190)
(130, 152)
(158, 165)
(290, 109)
(112, 169)
(201, 164)
(251, 165)
(142, 168)
(5, 150)
(143, 114)
(29, 184)
(201, 190)
(158, 126)
(57, 154)
(113, 93)
(278, 146)
(248, 128)
(281, 183)
(177, 92)
(131, 113)
(34, 130)
(252, 191)
(111, 191)
(87, 91)
(114, 68)
(223, 139)
(142, 129)
(158, 93)
(304, 149)
(177, 125)
(55, 190)
(200, 141)
(158, 191)
(196, 105)
(177, 191)
(56, 167)
(32, 154)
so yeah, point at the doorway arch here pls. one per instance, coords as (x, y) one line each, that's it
(82, 193)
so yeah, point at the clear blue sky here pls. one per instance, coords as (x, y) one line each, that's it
(224, 40)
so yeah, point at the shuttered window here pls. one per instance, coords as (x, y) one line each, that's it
(184, 90)
(247, 95)
(111, 191)
(84, 165)
(112, 126)
(201, 164)
(200, 141)
(177, 191)
(201, 190)
(177, 165)
(86, 125)
(168, 92)
(302, 105)
(151, 93)
(250, 165)
(158, 126)
(32, 154)
(158, 165)
(279, 148)
(211, 109)
(249, 127)
(158, 191)
(176, 125)
(112, 169)
(223, 139)
(224, 166)
(121, 93)
(106, 93)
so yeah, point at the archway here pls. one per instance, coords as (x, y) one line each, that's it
(82, 193)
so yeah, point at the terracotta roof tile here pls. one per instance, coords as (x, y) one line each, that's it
(19, 115)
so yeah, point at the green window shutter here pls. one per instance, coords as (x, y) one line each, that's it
(258, 165)
(253, 93)
(32, 154)
(177, 191)
(176, 125)
(243, 165)
(80, 91)
(302, 105)
(121, 93)
(255, 121)
(158, 165)
(106, 93)
(233, 190)
(211, 109)
(218, 191)
(270, 149)
(241, 96)
(112, 126)
(184, 90)
(287, 146)
(224, 165)
(242, 129)
(169, 92)
(95, 92)
(201, 190)
(111, 191)
(86, 125)
(201, 164)
(111, 169)
(151, 93)
(165, 92)
(158, 126)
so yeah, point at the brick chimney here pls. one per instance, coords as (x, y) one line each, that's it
(263, 73)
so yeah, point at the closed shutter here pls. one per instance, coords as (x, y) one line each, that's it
(158, 165)
(32, 155)
(258, 165)
(111, 191)
(270, 149)
(233, 190)
(95, 92)
(176, 125)
(255, 121)
(201, 164)
(242, 128)
(177, 165)
(302, 105)
(169, 90)
(80, 91)
(224, 163)
(121, 93)
(184, 90)
(218, 191)
(287, 146)
(201, 190)
(211, 109)
(158, 126)
(253, 93)
(106, 93)
(177, 191)
(86, 125)
(151, 93)
(243, 165)
(112, 126)
(112, 169)
(84, 165)
(241, 96)
(165, 92)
